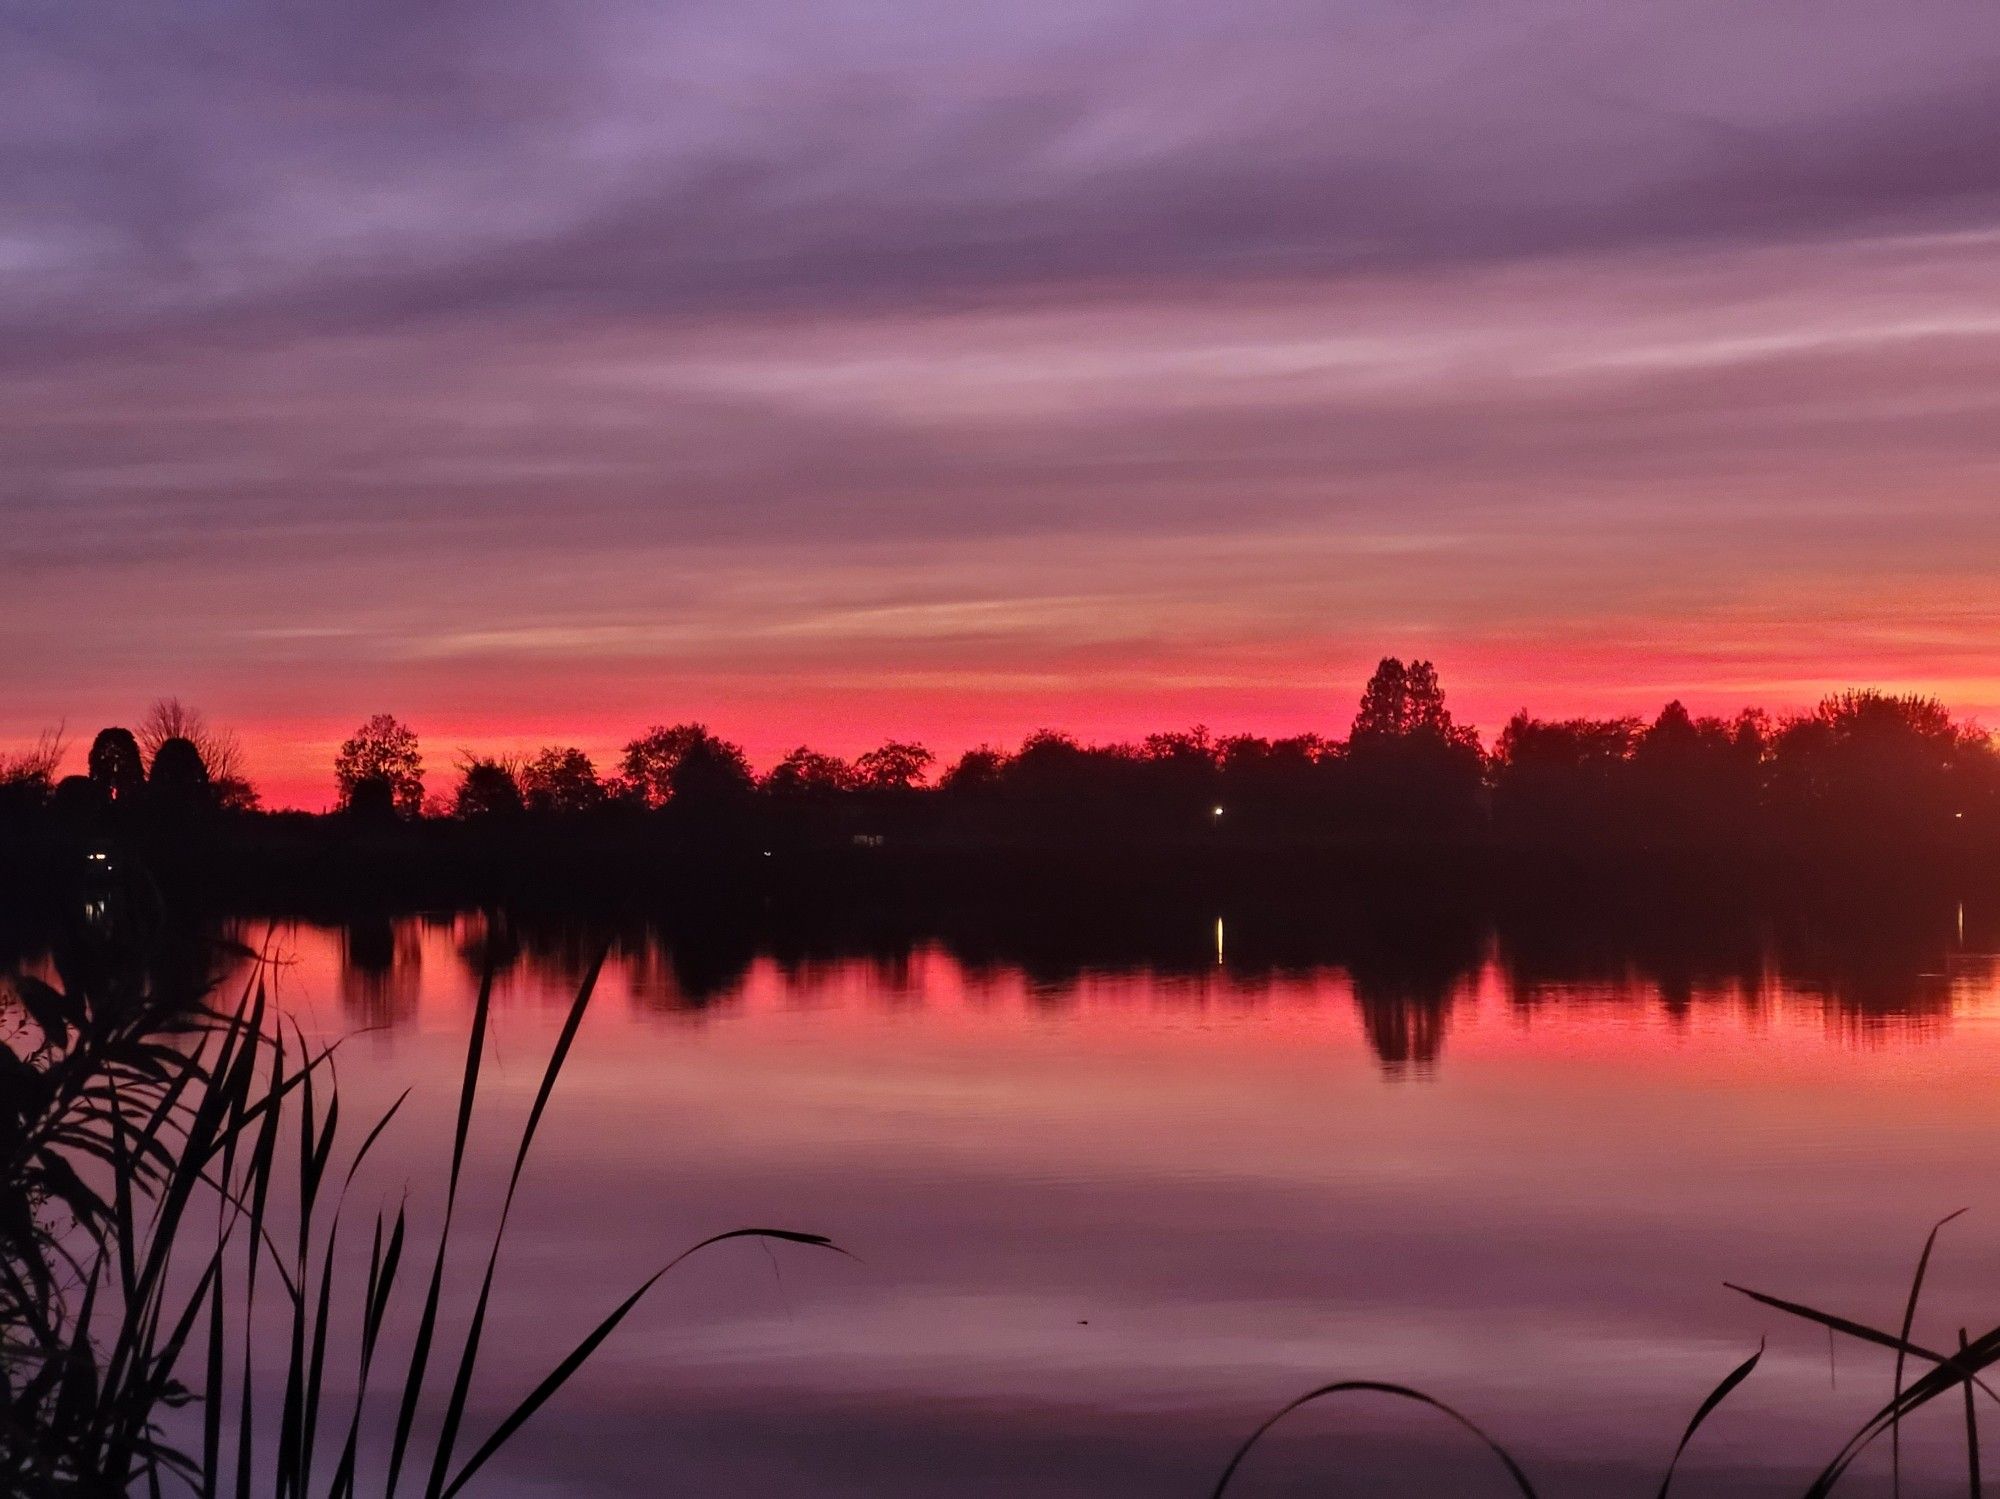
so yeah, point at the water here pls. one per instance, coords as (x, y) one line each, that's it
(1109, 1213)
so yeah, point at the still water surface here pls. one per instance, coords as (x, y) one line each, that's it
(1108, 1215)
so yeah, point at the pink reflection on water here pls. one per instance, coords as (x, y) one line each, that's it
(1110, 1216)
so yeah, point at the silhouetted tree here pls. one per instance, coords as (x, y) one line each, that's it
(561, 780)
(372, 799)
(1050, 767)
(1698, 778)
(1248, 754)
(1194, 748)
(115, 764)
(382, 754)
(894, 766)
(236, 794)
(35, 767)
(487, 787)
(79, 804)
(709, 771)
(1407, 765)
(807, 772)
(1047, 758)
(1867, 764)
(170, 718)
(1402, 703)
(1559, 777)
(668, 760)
(179, 780)
(976, 771)
(1864, 766)
(1177, 777)
(1279, 787)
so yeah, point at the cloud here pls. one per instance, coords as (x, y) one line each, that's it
(382, 164)
(818, 358)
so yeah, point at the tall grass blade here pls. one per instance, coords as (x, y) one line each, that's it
(469, 1355)
(1980, 1353)
(1374, 1387)
(262, 1159)
(427, 1321)
(382, 1266)
(1909, 1321)
(1866, 1334)
(211, 1416)
(1716, 1396)
(316, 1367)
(1971, 1428)
(521, 1413)
(373, 1135)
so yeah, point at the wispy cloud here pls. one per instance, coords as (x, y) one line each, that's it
(766, 357)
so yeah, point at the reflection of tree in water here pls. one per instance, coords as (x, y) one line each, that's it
(554, 950)
(489, 941)
(1880, 972)
(1676, 954)
(381, 969)
(1876, 961)
(892, 978)
(1409, 972)
(1409, 953)
(1405, 1029)
(876, 962)
(692, 968)
(1055, 951)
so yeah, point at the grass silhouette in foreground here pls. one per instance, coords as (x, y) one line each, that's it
(184, 1108)
(1950, 1371)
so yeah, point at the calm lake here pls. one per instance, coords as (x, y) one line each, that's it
(1109, 1212)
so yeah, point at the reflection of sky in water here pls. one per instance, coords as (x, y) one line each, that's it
(1110, 1215)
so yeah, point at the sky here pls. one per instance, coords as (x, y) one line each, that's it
(833, 371)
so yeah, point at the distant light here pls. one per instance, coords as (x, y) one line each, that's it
(1218, 811)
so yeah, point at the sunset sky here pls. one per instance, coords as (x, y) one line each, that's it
(830, 371)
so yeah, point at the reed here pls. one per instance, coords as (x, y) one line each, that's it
(1960, 1371)
(130, 1117)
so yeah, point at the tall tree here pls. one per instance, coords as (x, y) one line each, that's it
(670, 760)
(115, 764)
(170, 718)
(561, 779)
(1871, 762)
(1404, 702)
(381, 763)
(709, 773)
(487, 787)
(1408, 767)
(893, 766)
(807, 772)
(229, 780)
(33, 771)
(1563, 777)
(180, 779)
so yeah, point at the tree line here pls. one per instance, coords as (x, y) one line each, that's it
(175, 760)
(1861, 764)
